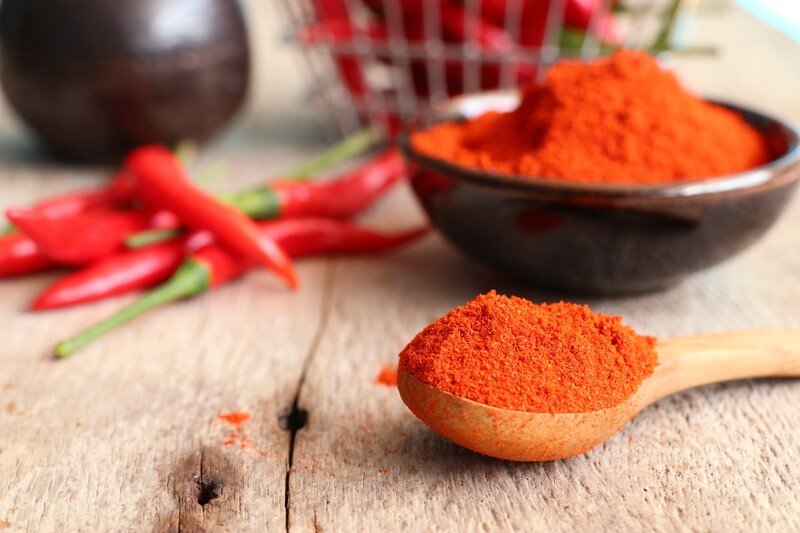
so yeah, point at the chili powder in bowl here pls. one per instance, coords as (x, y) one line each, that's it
(605, 178)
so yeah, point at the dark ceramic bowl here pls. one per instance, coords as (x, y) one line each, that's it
(600, 238)
(95, 78)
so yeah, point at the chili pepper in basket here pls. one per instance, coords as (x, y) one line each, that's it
(489, 38)
(340, 198)
(212, 266)
(581, 14)
(80, 239)
(347, 65)
(534, 14)
(19, 255)
(457, 23)
(162, 184)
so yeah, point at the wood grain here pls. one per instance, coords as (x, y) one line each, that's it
(126, 435)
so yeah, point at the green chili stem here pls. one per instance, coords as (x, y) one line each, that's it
(347, 148)
(663, 40)
(186, 151)
(257, 203)
(190, 279)
(685, 50)
(209, 175)
(573, 40)
(151, 236)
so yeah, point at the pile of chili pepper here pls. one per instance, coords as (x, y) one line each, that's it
(152, 228)
(459, 23)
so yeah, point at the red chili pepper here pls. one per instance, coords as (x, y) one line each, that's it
(119, 191)
(341, 32)
(162, 184)
(532, 15)
(19, 255)
(80, 239)
(121, 273)
(348, 66)
(457, 26)
(343, 197)
(330, 9)
(581, 14)
(302, 237)
(578, 14)
(74, 203)
(143, 268)
(71, 204)
(410, 10)
(488, 30)
(213, 265)
(164, 220)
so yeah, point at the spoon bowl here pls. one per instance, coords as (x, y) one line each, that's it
(523, 436)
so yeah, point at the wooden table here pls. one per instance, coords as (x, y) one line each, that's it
(126, 435)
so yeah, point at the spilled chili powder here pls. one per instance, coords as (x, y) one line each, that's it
(510, 353)
(235, 419)
(387, 376)
(237, 435)
(620, 119)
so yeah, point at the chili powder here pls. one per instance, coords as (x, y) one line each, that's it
(387, 376)
(510, 353)
(619, 119)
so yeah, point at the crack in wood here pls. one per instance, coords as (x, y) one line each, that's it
(293, 419)
(296, 418)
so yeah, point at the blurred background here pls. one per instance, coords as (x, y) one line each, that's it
(317, 73)
(733, 50)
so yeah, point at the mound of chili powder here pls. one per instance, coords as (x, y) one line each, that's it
(511, 353)
(620, 119)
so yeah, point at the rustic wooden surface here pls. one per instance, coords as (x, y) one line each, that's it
(126, 435)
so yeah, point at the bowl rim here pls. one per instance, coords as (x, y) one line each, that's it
(770, 173)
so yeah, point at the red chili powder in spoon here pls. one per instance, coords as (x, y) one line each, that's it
(510, 353)
(620, 119)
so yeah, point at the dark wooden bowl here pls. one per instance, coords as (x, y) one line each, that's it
(602, 239)
(93, 78)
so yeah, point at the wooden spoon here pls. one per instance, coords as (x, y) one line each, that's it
(683, 363)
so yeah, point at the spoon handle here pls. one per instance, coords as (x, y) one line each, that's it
(693, 361)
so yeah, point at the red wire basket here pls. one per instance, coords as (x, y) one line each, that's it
(384, 62)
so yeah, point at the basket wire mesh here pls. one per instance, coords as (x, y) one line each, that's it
(370, 62)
